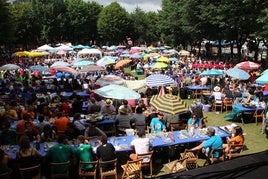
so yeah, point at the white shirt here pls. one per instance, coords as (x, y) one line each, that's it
(141, 145)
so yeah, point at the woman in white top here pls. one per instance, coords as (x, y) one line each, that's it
(141, 145)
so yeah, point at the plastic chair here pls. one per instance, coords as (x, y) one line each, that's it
(111, 171)
(84, 173)
(147, 161)
(132, 169)
(59, 170)
(34, 172)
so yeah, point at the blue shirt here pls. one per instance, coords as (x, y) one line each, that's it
(214, 142)
(196, 124)
(157, 124)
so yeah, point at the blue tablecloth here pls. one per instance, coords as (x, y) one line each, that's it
(198, 87)
(106, 122)
(122, 143)
(239, 108)
(80, 93)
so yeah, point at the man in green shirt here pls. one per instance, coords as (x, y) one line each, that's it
(84, 153)
(61, 152)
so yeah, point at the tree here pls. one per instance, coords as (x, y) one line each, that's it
(82, 20)
(113, 24)
(26, 28)
(6, 27)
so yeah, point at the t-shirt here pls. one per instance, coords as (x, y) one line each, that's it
(215, 143)
(157, 124)
(197, 122)
(84, 153)
(141, 145)
(60, 153)
(106, 152)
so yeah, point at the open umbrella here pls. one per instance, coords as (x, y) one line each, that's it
(117, 92)
(248, 65)
(169, 103)
(83, 63)
(60, 63)
(163, 59)
(9, 67)
(39, 68)
(110, 79)
(21, 54)
(65, 69)
(211, 72)
(263, 79)
(91, 68)
(45, 47)
(159, 80)
(237, 73)
(107, 60)
(121, 63)
(159, 65)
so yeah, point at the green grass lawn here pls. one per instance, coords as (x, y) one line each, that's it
(255, 141)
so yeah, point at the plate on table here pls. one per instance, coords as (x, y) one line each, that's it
(121, 147)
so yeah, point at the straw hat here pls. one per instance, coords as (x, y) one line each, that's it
(217, 88)
(108, 102)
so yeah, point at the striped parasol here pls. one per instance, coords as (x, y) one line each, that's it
(169, 103)
(159, 80)
(248, 65)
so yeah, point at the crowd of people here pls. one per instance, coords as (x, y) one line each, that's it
(42, 114)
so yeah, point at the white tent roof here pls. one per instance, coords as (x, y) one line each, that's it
(90, 51)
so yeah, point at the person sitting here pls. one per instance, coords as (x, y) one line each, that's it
(4, 160)
(194, 122)
(84, 153)
(92, 130)
(250, 96)
(157, 124)
(8, 135)
(237, 138)
(122, 120)
(60, 152)
(48, 134)
(94, 107)
(127, 106)
(32, 132)
(141, 145)
(138, 119)
(28, 156)
(105, 151)
(213, 143)
(61, 123)
(217, 95)
(108, 109)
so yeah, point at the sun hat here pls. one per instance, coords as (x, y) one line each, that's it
(217, 88)
(108, 102)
